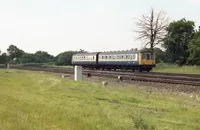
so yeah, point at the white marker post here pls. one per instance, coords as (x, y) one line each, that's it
(8, 66)
(78, 73)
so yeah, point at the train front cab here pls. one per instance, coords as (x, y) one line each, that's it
(146, 61)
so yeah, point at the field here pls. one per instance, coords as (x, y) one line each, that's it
(38, 100)
(169, 68)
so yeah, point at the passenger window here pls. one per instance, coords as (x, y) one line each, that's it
(133, 57)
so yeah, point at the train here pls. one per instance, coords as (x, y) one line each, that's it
(134, 59)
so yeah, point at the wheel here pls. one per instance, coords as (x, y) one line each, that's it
(140, 69)
(148, 70)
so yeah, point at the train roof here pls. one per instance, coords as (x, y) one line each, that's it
(113, 52)
(119, 52)
(86, 54)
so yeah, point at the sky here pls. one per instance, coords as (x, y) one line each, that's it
(56, 26)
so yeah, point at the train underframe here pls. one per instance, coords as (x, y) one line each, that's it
(140, 68)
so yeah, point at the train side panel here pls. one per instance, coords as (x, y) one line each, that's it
(118, 59)
(85, 59)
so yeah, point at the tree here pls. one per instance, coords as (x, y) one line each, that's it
(159, 55)
(3, 58)
(65, 58)
(179, 34)
(43, 57)
(194, 50)
(14, 52)
(152, 29)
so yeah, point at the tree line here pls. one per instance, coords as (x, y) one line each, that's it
(15, 55)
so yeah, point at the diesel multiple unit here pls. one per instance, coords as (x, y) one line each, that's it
(142, 60)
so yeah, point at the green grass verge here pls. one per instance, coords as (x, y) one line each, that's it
(56, 66)
(169, 68)
(36, 100)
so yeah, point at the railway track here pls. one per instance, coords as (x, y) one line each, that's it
(185, 79)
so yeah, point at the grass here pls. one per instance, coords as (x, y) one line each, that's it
(56, 66)
(169, 68)
(37, 100)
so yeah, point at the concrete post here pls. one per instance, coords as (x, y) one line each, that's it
(8, 66)
(78, 73)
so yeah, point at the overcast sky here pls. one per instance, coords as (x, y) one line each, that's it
(94, 25)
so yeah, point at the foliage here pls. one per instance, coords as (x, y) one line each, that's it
(17, 56)
(176, 42)
(14, 52)
(65, 58)
(194, 50)
(3, 58)
(37, 100)
(159, 55)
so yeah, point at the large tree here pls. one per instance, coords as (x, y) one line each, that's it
(65, 58)
(43, 57)
(3, 58)
(14, 52)
(194, 49)
(160, 55)
(178, 37)
(151, 28)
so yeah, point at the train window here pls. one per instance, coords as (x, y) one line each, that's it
(152, 57)
(128, 56)
(93, 57)
(148, 56)
(110, 57)
(133, 56)
(143, 56)
(106, 57)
